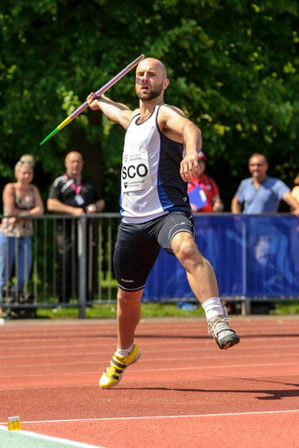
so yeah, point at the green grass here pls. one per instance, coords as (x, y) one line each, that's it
(109, 311)
(286, 308)
(151, 310)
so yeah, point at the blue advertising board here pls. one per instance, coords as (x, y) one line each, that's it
(252, 255)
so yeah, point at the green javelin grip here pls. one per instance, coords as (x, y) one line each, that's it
(97, 94)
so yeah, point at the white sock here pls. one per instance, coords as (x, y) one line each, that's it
(124, 352)
(212, 307)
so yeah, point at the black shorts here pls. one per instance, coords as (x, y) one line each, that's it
(138, 246)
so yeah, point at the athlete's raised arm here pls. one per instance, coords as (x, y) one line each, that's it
(175, 125)
(117, 112)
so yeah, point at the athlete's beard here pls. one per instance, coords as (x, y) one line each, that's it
(148, 96)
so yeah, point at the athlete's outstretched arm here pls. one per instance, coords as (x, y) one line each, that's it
(191, 137)
(117, 112)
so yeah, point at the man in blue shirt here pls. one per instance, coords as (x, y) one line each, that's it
(261, 193)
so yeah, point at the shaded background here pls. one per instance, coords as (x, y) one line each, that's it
(233, 67)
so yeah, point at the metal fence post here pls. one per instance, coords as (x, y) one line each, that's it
(82, 263)
(245, 304)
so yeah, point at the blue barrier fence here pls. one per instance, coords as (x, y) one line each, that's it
(254, 256)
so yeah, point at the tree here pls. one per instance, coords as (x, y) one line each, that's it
(232, 65)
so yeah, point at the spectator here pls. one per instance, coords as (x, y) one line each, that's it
(202, 190)
(71, 194)
(295, 190)
(261, 193)
(20, 199)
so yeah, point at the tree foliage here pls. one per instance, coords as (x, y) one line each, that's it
(233, 67)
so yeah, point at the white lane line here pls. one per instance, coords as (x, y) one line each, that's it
(152, 333)
(168, 369)
(267, 378)
(154, 417)
(97, 362)
(20, 347)
(153, 340)
(62, 442)
(241, 349)
(153, 328)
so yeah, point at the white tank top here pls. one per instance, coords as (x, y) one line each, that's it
(150, 182)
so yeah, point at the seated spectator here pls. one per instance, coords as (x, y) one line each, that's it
(203, 192)
(20, 199)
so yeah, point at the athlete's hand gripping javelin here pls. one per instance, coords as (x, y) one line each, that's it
(117, 112)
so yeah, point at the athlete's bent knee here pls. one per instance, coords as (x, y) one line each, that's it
(129, 296)
(186, 250)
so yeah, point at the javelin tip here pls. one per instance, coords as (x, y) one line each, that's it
(49, 136)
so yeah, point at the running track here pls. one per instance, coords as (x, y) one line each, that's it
(183, 392)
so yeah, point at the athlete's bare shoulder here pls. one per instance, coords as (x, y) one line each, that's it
(135, 112)
(171, 121)
(167, 108)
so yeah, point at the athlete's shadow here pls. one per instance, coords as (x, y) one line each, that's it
(270, 394)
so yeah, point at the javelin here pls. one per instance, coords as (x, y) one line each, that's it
(95, 95)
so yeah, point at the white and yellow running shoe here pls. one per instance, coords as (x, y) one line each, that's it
(112, 375)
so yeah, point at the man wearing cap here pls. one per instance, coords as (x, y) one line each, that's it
(202, 190)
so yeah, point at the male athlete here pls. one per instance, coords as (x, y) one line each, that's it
(160, 150)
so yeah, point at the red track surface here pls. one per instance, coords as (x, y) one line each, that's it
(183, 392)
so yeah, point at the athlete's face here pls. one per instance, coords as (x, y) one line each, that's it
(151, 79)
